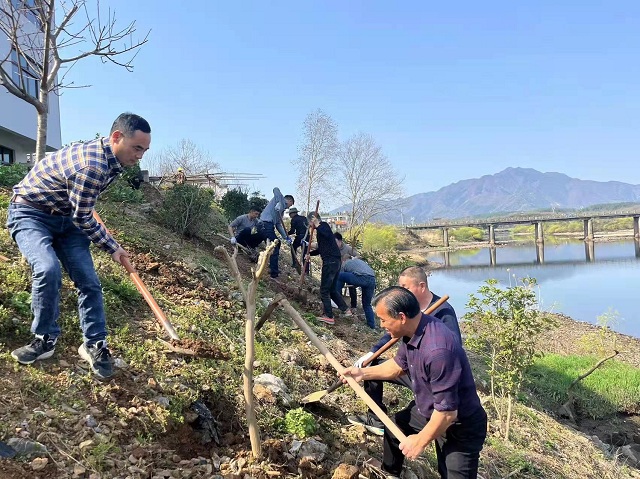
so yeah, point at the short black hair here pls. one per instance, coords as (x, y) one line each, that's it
(312, 215)
(397, 300)
(417, 273)
(256, 208)
(128, 123)
(338, 235)
(289, 197)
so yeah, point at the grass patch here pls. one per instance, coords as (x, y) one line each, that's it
(612, 388)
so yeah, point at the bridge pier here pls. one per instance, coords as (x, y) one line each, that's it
(539, 232)
(445, 237)
(492, 255)
(540, 253)
(636, 227)
(588, 229)
(492, 235)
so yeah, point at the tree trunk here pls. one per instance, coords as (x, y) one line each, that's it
(254, 430)
(508, 422)
(41, 138)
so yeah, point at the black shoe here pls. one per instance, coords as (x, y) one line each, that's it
(99, 358)
(373, 425)
(42, 347)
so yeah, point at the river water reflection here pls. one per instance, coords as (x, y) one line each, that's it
(580, 280)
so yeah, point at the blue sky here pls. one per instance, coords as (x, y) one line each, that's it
(449, 91)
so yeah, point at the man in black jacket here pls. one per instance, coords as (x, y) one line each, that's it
(299, 225)
(330, 254)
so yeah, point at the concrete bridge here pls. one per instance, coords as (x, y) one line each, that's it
(536, 219)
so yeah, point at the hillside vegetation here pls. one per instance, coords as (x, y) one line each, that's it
(159, 415)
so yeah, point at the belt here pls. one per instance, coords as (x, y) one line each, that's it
(19, 200)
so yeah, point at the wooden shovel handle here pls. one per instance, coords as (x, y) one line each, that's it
(302, 324)
(135, 277)
(389, 344)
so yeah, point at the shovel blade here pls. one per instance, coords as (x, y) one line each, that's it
(314, 397)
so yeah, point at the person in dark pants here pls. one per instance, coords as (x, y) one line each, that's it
(414, 279)
(270, 220)
(51, 220)
(299, 227)
(446, 409)
(330, 254)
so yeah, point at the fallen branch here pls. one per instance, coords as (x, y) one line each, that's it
(567, 408)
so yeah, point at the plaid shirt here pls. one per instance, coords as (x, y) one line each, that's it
(69, 182)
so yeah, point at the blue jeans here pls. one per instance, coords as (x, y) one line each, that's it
(46, 241)
(268, 231)
(368, 285)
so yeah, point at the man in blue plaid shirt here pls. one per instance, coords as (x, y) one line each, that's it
(51, 220)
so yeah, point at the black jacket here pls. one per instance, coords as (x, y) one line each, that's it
(299, 226)
(327, 246)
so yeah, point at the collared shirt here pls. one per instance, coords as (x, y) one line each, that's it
(242, 222)
(444, 313)
(441, 377)
(274, 210)
(69, 182)
(358, 267)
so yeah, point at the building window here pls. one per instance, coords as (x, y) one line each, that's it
(29, 10)
(31, 83)
(6, 156)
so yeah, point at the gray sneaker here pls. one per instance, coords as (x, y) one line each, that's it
(99, 358)
(373, 425)
(42, 347)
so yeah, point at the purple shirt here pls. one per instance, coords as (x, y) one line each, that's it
(439, 370)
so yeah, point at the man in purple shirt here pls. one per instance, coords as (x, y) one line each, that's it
(446, 408)
(51, 220)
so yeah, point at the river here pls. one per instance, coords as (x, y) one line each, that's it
(580, 280)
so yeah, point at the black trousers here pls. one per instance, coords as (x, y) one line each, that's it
(328, 287)
(297, 242)
(375, 388)
(246, 238)
(458, 452)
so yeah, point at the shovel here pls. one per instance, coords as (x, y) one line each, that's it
(176, 345)
(318, 395)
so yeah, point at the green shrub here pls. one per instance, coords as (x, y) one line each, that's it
(379, 237)
(12, 174)
(235, 203)
(187, 210)
(300, 422)
(120, 191)
(504, 324)
(387, 266)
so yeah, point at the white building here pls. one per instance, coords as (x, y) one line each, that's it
(18, 119)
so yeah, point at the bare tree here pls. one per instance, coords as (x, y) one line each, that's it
(186, 155)
(30, 69)
(368, 181)
(317, 155)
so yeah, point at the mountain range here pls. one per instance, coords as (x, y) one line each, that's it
(511, 190)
